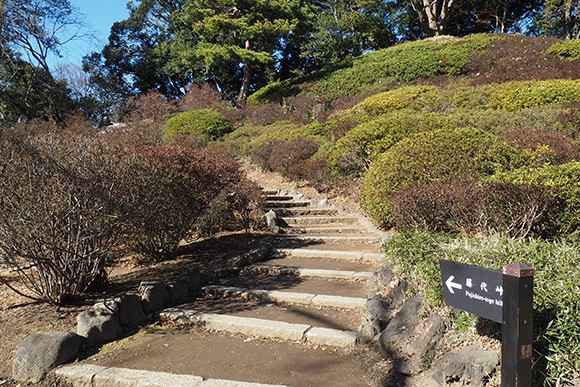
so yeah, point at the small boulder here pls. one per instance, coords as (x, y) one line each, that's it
(193, 280)
(472, 365)
(368, 330)
(376, 309)
(178, 290)
(153, 295)
(408, 340)
(108, 306)
(40, 352)
(130, 310)
(98, 328)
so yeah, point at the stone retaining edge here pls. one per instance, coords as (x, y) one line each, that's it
(98, 376)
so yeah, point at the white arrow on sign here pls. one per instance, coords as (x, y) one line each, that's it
(450, 284)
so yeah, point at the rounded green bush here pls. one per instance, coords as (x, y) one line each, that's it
(526, 94)
(563, 181)
(430, 157)
(206, 123)
(568, 49)
(360, 146)
(405, 97)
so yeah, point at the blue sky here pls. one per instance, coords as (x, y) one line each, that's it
(99, 15)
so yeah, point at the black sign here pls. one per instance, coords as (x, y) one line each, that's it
(474, 289)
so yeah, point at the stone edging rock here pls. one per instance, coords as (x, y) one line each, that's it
(393, 324)
(112, 318)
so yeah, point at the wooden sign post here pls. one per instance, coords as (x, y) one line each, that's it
(502, 296)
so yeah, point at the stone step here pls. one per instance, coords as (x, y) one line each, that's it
(256, 327)
(358, 256)
(309, 273)
(226, 356)
(269, 192)
(283, 297)
(303, 211)
(321, 220)
(243, 306)
(285, 204)
(100, 376)
(326, 229)
(278, 198)
(348, 238)
(321, 263)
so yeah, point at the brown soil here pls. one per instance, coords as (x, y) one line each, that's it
(20, 317)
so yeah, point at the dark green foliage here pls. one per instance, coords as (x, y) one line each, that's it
(569, 49)
(207, 123)
(406, 62)
(430, 157)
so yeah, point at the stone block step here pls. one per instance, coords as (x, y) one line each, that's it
(285, 204)
(262, 328)
(224, 356)
(322, 220)
(321, 263)
(100, 376)
(309, 273)
(303, 211)
(291, 284)
(268, 192)
(326, 229)
(348, 238)
(282, 297)
(358, 256)
(335, 318)
(278, 198)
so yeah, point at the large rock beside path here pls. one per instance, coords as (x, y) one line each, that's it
(42, 351)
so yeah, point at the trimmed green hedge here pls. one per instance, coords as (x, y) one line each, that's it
(429, 157)
(206, 123)
(360, 146)
(521, 95)
(404, 62)
(568, 49)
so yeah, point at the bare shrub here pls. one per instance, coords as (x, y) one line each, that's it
(513, 209)
(521, 58)
(264, 114)
(171, 189)
(57, 222)
(286, 157)
(202, 97)
(151, 106)
(561, 149)
(237, 207)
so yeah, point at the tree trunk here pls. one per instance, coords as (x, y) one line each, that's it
(432, 22)
(247, 74)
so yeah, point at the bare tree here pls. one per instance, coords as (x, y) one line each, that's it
(31, 31)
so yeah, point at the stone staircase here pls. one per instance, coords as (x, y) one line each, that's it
(311, 290)
(306, 271)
